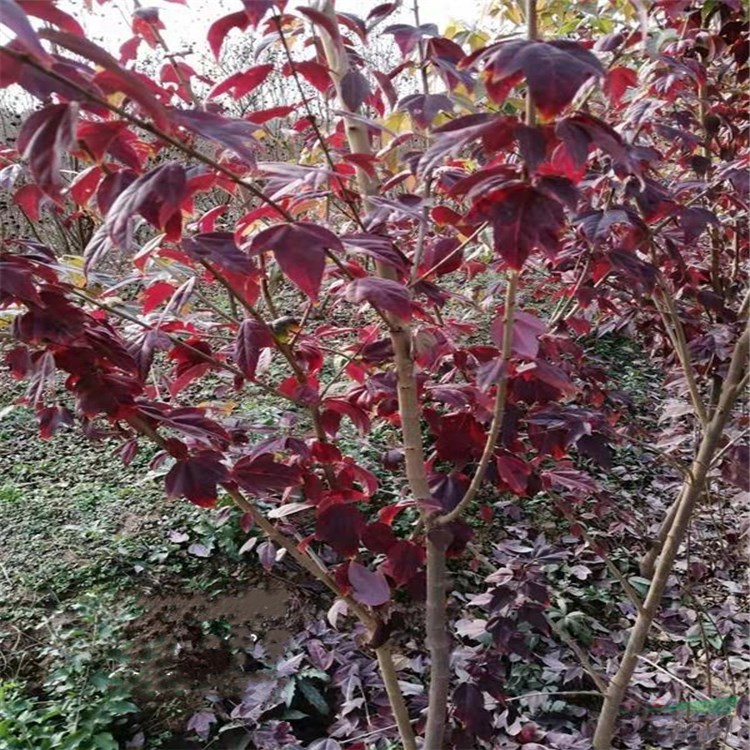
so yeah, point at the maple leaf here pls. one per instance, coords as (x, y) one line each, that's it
(235, 135)
(554, 71)
(468, 708)
(262, 474)
(403, 560)
(300, 250)
(242, 83)
(196, 478)
(523, 219)
(384, 294)
(368, 587)
(340, 525)
(252, 337)
(218, 248)
(44, 139)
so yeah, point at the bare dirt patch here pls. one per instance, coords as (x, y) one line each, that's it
(186, 646)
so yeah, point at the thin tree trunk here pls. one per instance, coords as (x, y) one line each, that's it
(408, 398)
(689, 495)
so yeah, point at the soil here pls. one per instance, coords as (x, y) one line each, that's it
(187, 646)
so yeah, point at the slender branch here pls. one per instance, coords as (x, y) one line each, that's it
(499, 410)
(681, 349)
(390, 680)
(409, 408)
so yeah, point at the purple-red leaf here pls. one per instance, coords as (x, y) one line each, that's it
(260, 475)
(13, 16)
(44, 139)
(157, 196)
(468, 708)
(523, 219)
(218, 248)
(235, 135)
(378, 537)
(385, 294)
(196, 478)
(554, 71)
(354, 89)
(252, 337)
(403, 560)
(220, 28)
(242, 83)
(527, 329)
(340, 525)
(369, 587)
(300, 250)
(514, 472)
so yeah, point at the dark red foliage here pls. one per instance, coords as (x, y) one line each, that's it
(209, 214)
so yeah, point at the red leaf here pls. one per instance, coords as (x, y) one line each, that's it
(523, 219)
(514, 472)
(84, 185)
(385, 294)
(116, 77)
(527, 329)
(251, 338)
(368, 587)
(340, 525)
(28, 198)
(314, 73)
(196, 478)
(299, 249)
(554, 71)
(404, 559)
(219, 29)
(241, 84)
(378, 537)
(44, 139)
(12, 16)
(358, 416)
(98, 136)
(264, 115)
(156, 294)
(157, 196)
(461, 438)
(260, 475)
(618, 80)
(48, 12)
(321, 19)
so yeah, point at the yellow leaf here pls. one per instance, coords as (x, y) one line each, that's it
(72, 270)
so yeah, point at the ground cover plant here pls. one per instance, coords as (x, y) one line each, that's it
(420, 295)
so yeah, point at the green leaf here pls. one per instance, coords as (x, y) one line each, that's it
(313, 695)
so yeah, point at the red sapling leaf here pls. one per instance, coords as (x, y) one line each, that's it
(196, 478)
(261, 475)
(340, 525)
(385, 294)
(299, 249)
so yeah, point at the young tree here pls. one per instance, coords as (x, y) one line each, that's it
(605, 174)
